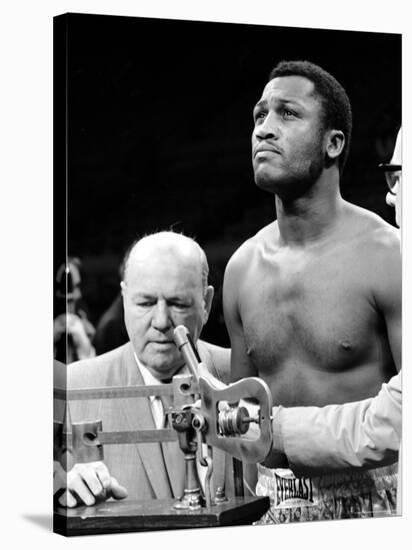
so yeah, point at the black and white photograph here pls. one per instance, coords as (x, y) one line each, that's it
(228, 274)
(205, 273)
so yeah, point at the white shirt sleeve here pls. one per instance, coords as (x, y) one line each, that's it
(363, 434)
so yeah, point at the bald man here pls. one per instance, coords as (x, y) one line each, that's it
(165, 284)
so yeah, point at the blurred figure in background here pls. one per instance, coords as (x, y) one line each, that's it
(72, 331)
(111, 329)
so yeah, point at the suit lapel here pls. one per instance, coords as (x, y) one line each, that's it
(139, 413)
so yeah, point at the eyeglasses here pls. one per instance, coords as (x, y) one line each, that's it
(392, 173)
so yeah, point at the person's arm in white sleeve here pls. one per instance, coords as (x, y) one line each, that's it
(363, 434)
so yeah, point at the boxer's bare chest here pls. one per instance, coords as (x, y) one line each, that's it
(308, 311)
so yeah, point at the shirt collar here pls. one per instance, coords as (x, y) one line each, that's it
(148, 377)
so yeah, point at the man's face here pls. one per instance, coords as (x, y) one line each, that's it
(163, 290)
(395, 198)
(288, 149)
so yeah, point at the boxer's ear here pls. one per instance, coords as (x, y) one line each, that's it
(208, 299)
(335, 143)
(123, 288)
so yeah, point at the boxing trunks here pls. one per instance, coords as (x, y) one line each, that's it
(370, 493)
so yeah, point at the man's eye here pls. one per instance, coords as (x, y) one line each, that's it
(287, 113)
(180, 306)
(260, 115)
(144, 304)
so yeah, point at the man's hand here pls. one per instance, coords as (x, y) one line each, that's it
(87, 484)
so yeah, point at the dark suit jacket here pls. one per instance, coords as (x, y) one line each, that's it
(140, 468)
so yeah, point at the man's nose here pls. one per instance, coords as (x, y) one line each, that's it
(161, 319)
(268, 128)
(391, 198)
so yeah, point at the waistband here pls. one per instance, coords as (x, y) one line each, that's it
(384, 477)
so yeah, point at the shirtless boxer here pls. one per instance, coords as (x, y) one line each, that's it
(310, 303)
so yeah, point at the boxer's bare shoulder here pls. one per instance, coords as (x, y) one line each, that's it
(266, 237)
(375, 245)
(371, 226)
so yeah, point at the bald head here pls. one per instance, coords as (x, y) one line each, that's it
(164, 285)
(166, 244)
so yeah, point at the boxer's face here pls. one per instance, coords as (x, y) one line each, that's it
(288, 140)
(163, 290)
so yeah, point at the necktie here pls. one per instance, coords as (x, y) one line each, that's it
(173, 455)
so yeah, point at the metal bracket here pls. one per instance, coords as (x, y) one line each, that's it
(246, 448)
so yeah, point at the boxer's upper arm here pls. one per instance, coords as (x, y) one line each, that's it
(388, 293)
(241, 366)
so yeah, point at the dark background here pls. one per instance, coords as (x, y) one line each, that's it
(159, 120)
